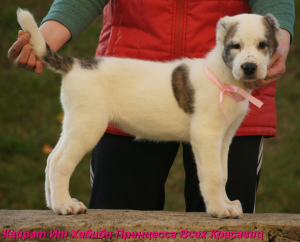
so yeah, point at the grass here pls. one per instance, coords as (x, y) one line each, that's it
(30, 122)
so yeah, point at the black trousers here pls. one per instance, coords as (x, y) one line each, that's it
(129, 174)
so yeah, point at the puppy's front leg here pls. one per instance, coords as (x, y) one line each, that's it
(207, 145)
(224, 159)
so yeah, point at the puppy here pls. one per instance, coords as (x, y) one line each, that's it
(170, 101)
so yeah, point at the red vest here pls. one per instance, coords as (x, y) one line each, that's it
(165, 30)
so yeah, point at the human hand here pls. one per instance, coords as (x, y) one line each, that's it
(276, 67)
(22, 55)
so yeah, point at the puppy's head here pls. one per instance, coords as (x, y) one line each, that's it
(248, 42)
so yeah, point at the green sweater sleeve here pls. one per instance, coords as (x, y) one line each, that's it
(76, 15)
(283, 10)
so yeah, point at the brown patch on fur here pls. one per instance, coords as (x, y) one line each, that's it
(227, 56)
(271, 26)
(230, 32)
(182, 89)
(89, 63)
(57, 62)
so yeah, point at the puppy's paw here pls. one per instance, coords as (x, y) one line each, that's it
(238, 204)
(70, 208)
(225, 211)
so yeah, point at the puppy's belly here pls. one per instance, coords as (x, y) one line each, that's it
(163, 128)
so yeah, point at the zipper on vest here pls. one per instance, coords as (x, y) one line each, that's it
(179, 27)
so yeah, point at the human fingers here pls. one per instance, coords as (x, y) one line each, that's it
(33, 63)
(30, 64)
(25, 58)
(20, 33)
(39, 67)
(252, 85)
(21, 60)
(15, 50)
(262, 83)
(277, 66)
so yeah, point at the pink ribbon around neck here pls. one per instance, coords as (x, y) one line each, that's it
(235, 92)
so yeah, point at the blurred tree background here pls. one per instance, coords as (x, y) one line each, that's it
(30, 125)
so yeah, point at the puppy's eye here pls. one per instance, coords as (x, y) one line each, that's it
(236, 46)
(262, 45)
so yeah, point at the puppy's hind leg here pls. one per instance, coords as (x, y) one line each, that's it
(81, 132)
(47, 181)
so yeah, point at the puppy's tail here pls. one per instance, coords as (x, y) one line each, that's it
(57, 63)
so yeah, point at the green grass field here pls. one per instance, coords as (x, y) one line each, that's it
(30, 122)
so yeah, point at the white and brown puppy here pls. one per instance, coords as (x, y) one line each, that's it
(170, 101)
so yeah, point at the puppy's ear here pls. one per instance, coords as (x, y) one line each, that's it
(272, 21)
(274, 25)
(223, 26)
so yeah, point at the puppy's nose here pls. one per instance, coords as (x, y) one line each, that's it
(249, 68)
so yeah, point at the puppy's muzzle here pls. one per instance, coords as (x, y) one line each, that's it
(249, 68)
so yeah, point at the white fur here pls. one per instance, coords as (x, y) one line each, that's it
(137, 97)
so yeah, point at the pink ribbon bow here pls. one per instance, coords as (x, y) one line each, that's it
(235, 92)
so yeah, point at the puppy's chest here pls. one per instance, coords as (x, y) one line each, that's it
(234, 109)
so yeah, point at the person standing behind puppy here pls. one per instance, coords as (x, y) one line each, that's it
(127, 174)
